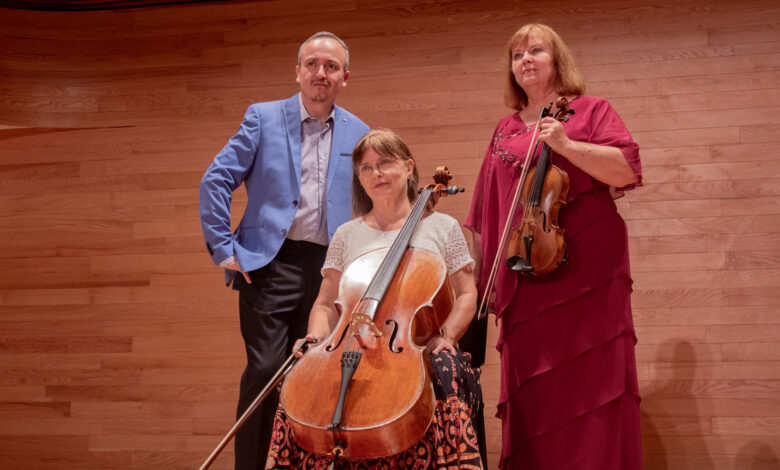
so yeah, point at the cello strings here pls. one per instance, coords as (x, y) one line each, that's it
(384, 275)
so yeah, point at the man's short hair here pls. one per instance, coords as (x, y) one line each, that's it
(326, 34)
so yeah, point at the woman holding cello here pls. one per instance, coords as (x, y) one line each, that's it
(384, 190)
(569, 396)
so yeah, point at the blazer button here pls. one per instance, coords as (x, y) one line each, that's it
(284, 232)
(295, 203)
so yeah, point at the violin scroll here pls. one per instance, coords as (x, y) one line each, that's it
(563, 110)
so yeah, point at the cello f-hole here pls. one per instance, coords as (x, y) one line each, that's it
(332, 347)
(392, 336)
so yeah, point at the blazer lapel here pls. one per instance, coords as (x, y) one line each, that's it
(292, 117)
(340, 124)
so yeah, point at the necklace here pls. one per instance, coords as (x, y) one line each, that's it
(498, 149)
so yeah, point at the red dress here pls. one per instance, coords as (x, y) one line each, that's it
(569, 395)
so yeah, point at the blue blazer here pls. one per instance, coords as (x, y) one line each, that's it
(265, 155)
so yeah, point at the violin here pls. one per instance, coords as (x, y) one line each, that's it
(366, 391)
(536, 245)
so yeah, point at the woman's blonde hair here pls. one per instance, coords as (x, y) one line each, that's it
(568, 80)
(389, 145)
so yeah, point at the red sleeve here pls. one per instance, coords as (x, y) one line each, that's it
(609, 129)
(474, 218)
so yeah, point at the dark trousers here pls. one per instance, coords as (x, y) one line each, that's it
(274, 312)
(474, 342)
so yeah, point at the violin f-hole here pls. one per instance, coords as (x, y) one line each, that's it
(545, 227)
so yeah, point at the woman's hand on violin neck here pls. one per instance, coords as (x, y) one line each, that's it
(552, 133)
(440, 343)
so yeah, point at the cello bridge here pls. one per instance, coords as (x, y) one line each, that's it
(361, 319)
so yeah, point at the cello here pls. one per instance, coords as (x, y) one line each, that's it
(365, 391)
(535, 246)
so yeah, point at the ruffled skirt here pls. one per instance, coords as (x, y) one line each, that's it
(570, 397)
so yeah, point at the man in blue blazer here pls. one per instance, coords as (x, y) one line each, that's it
(294, 158)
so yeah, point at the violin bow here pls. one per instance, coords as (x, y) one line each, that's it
(491, 282)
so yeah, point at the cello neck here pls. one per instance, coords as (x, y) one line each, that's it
(384, 275)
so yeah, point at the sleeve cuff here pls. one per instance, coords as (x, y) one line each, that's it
(227, 261)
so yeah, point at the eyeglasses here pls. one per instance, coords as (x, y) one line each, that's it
(382, 166)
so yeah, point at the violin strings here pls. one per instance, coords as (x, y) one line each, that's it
(508, 225)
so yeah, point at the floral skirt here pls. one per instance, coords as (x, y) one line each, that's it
(449, 442)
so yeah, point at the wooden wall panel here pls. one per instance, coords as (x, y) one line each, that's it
(119, 344)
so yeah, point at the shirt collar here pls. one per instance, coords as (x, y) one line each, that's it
(305, 114)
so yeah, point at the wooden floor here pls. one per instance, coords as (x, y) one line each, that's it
(119, 344)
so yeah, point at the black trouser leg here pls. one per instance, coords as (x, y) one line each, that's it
(474, 342)
(274, 312)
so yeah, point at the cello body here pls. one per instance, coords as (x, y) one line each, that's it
(390, 400)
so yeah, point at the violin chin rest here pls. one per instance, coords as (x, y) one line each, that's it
(516, 263)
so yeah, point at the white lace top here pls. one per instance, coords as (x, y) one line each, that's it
(437, 232)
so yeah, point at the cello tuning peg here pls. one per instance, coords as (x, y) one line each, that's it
(453, 190)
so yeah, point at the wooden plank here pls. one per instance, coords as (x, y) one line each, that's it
(682, 351)
(724, 315)
(47, 459)
(34, 410)
(71, 344)
(150, 409)
(741, 370)
(749, 426)
(751, 351)
(711, 445)
(707, 279)
(740, 389)
(750, 333)
(678, 262)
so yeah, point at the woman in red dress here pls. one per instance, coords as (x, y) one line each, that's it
(569, 395)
